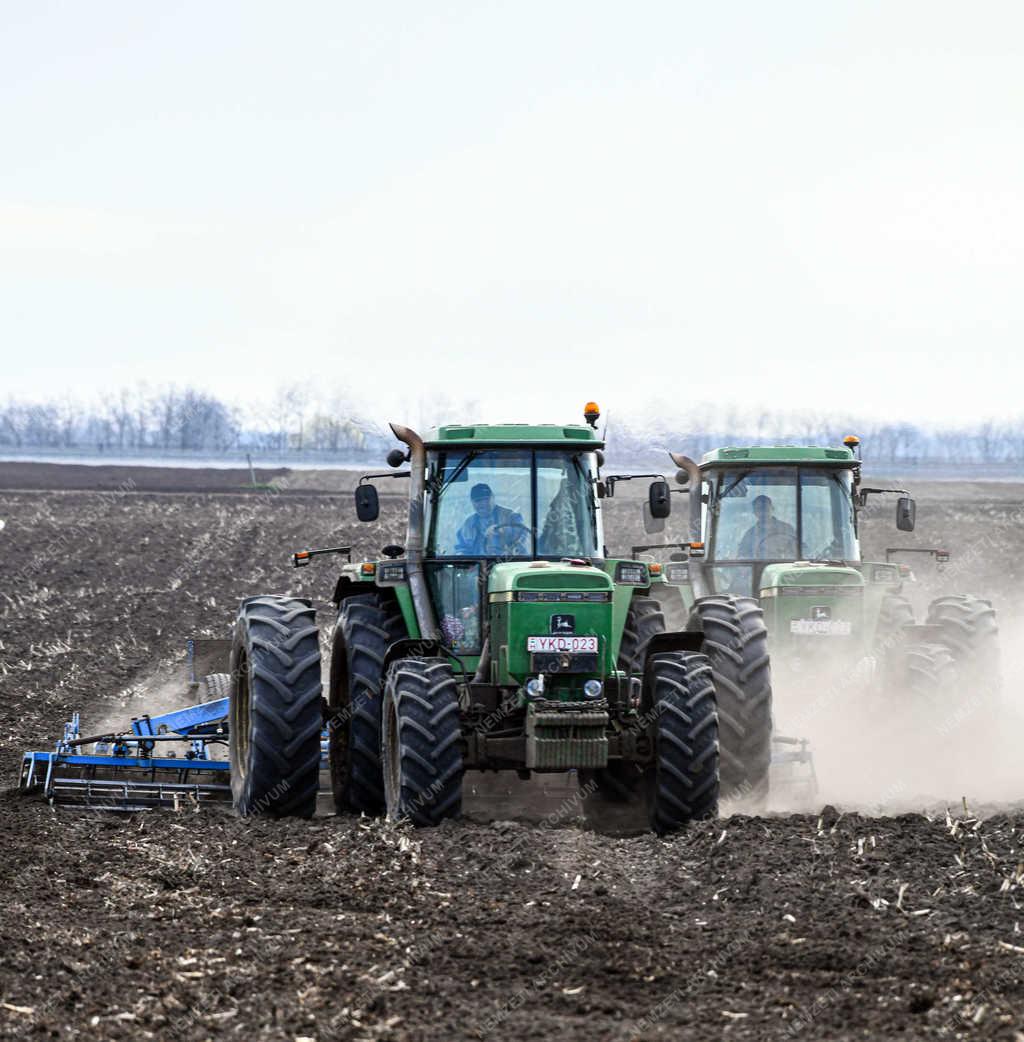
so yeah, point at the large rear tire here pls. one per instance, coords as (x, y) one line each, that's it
(971, 632)
(275, 711)
(929, 673)
(420, 742)
(622, 782)
(367, 625)
(736, 642)
(214, 686)
(683, 784)
(644, 620)
(894, 612)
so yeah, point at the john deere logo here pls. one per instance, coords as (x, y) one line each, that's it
(562, 624)
(821, 613)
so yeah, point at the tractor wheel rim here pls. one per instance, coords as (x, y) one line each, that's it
(244, 718)
(392, 758)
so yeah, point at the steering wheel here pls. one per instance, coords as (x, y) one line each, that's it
(775, 545)
(829, 553)
(510, 524)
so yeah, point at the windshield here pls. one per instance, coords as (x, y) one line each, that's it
(782, 514)
(512, 503)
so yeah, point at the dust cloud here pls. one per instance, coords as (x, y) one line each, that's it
(879, 748)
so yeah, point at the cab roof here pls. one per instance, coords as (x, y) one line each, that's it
(753, 455)
(481, 435)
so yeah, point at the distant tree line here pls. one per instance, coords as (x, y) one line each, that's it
(300, 421)
(186, 420)
(708, 427)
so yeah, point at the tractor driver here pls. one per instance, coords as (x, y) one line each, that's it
(491, 530)
(767, 537)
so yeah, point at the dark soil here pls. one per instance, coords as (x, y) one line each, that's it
(200, 925)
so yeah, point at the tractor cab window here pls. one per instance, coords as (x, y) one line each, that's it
(754, 516)
(566, 521)
(782, 514)
(827, 530)
(511, 503)
(481, 504)
(457, 594)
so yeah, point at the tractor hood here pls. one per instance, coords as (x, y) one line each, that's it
(818, 603)
(550, 617)
(796, 577)
(560, 578)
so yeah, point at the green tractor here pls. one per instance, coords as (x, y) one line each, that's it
(501, 637)
(778, 527)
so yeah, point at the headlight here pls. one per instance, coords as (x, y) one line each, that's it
(592, 689)
(631, 574)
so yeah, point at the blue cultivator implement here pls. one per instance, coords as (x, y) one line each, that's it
(165, 760)
(131, 770)
(176, 759)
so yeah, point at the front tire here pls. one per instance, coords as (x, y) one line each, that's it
(971, 632)
(275, 714)
(621, 782)
(421, 753)
(929, 674)
(736, 641)
(683, 783)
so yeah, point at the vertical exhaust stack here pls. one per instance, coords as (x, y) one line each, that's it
(414, 532)
(698, 577)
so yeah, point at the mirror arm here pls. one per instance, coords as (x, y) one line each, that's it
(388, 474)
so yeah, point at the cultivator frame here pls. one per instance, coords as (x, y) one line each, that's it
(131, 769)
(124, 771)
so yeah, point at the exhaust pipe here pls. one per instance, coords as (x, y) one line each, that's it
(414, 532)
(689, 474)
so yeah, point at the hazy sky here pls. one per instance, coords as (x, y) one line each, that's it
(792, 204)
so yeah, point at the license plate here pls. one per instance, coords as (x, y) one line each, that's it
(821, 627)
(570, 644)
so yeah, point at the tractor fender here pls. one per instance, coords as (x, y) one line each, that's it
(411, 647)
(349, 587)
(259, 596)
(675, 640)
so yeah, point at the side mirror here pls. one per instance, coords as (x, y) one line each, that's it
(906, 512)
(396, 457)
(367, 503)
(659, 499)
(652, 525)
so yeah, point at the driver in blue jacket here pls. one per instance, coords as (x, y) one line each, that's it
(491, 530)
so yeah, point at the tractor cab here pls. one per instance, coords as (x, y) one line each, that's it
(499, 498)
(780, 524)
(774, 505)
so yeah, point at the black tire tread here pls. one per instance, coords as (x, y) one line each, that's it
(970, 630)
(277, 641)
(929, 670)
(424, 697)
(216, 685)
(683, 784)
(367, 625)
(621, 782)
(736, 642)
(644, 620)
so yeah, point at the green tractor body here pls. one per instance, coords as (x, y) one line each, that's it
(781, 525)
